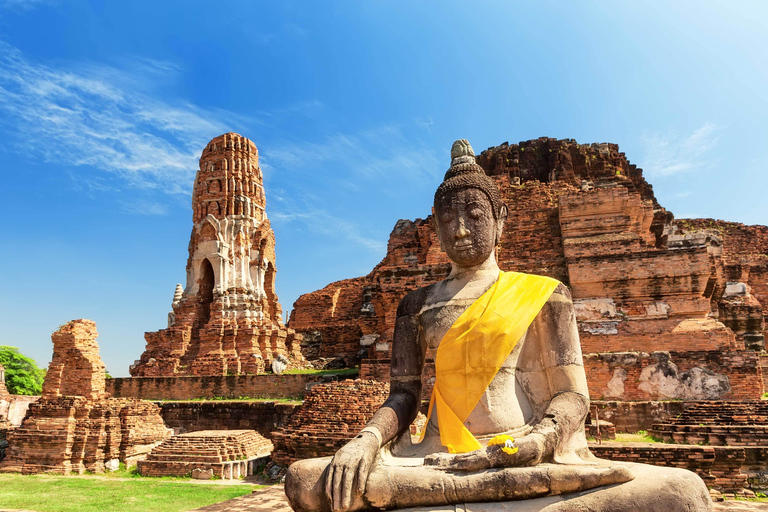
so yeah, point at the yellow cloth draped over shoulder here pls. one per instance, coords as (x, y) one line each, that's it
(477, 344)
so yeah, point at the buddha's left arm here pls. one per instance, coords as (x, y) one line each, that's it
(557, 334)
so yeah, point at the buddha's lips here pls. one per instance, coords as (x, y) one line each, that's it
(463, 246)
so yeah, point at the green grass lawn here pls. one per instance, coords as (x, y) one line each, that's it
(48, 493)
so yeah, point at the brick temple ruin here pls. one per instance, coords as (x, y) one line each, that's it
(75, 426)
(666, 309)
(227, 320)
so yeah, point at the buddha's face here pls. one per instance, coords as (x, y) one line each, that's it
(466, 226)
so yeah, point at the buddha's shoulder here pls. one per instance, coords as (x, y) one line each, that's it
(413, 302)
(561, 293)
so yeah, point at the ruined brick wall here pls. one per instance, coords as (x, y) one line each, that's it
(635, 416)
(14, 408)
(75, 426)
(331, 415)
(745, 260)
(689, 375)
(264, 417)
(227, 320)
(582, 214)
(76, 368)
(229, 386)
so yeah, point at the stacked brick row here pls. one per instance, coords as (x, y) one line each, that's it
(331, 415)
(75, 427)
(718, 424)
(227, 320)
(721, 467)
(221, 452)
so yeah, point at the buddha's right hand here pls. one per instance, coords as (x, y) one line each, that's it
(530, 451)
(349, 469)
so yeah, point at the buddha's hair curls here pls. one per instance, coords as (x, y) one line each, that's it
(465, 173)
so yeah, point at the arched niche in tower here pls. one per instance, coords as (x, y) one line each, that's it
(205, 286)
(208, 231)
(214, 186)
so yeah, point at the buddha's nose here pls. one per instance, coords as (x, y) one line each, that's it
(462, 231)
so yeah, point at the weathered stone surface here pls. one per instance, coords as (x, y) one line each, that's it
(75, 426)
(640, 280)
(226, 454)
(227, 320)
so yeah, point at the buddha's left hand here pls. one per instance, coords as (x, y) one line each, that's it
(531, 449)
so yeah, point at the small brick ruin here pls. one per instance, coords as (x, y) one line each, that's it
(666, 309)
(331, 415)
(227, 320)
(75, 426)
(225, 454)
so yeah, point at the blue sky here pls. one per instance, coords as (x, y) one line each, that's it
(105, 107)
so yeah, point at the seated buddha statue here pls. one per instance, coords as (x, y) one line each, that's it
(505, 429)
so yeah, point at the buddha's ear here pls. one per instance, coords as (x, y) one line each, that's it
(503, 212)
(436, 225)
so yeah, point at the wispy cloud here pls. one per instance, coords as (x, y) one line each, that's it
(22, 5)
(383, 153)
(345, 170)
(670, 154)
(321, 221)
(100, 116)
(142, 207)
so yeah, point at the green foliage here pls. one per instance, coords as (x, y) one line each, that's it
(22, 376)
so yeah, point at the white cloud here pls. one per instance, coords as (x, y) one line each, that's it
(99, 116)
(670, 154)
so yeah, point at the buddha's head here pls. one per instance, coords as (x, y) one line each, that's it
(469, 213)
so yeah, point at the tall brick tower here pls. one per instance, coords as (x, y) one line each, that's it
(227, 320)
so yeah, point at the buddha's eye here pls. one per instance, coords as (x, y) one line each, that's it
(446, 217)
(476, 212)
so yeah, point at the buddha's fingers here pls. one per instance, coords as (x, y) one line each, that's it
(329, 484)
(347, 487)
(439, 460)
(362, 476)
(338, 491)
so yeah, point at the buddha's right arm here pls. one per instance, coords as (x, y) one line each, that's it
(408, 353)
(354, 461)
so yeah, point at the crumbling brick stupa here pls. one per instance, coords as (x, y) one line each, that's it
(666, 309)
(75, 426)
(227, 320)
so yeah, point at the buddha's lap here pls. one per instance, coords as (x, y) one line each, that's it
(603, 487)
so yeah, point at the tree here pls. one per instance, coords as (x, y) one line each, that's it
(22, 376)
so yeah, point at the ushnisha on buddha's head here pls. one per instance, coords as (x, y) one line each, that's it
(468, 211)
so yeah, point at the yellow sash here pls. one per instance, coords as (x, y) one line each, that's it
(477, 344)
